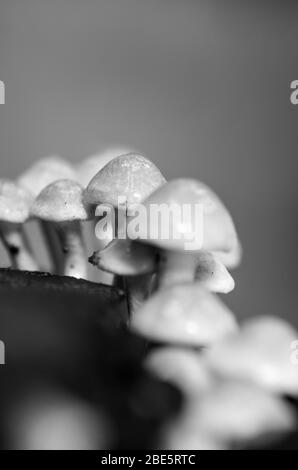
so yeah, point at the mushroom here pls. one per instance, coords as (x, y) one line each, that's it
(209, 227)
(261, 353)
(14, 211)
(42, 173)
(62, 204)
(184, 314)
(51, 419)
(91, 165)
(181, 367)
(136, 262)
(124, 257)
(128, 178)
(131, 261)
(238, 413)
(212, 274)
(131, 176)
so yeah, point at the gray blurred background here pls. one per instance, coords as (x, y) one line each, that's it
(200, 87)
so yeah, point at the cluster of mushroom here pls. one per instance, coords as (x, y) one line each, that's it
(239, 391)
(51, 193)
(234, 379)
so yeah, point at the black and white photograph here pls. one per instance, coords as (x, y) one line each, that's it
(148, 230)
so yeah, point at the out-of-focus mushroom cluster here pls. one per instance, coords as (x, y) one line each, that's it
(235, 379)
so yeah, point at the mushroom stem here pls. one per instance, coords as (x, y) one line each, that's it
(75, 262)
(53, 245)
(175, 267)
(137, 290)
(15, 242)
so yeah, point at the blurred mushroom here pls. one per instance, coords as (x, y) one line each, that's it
(175, 436)
(42, 173)
(51, 419)
(260, 352)
(181, 367)
(238, 413)
(14, 211)
(209, 227)
(184, 314)
(61, 203)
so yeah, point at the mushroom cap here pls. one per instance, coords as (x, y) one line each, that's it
(184, 314)
(132, 176)
(15, 202)
(44, 172)
(234, 412)
(181, 367)
(125, 258)
(260, 353)
(61, 201)
(218, 231)
(91, 165)
(212, 274)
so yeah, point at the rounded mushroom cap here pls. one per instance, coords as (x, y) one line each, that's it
(91, 165)
(181, 367)
(261, 353)
(61, 201)
(125, 258)
(235, 412)
(203, 211)
(184, 314)
(15, 202)
(44, 172)
(131, 176)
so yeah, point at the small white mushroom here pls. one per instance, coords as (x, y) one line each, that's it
(45, 171)
(202, 267)
(184, 314)
(261, 353)
(14, 212)
(206, 215)
(130, 177)
(61, 203)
